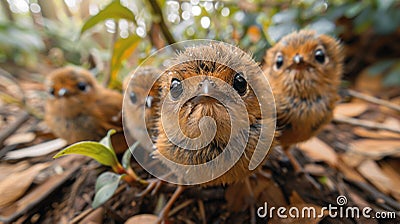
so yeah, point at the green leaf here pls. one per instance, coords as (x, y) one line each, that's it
(94, 150)
(123, 49)
(112, 11)
(106, 141)
(354, 9)
(106, 185)
(126, 158)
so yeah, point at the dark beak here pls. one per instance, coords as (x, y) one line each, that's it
(298, 59)
(62, 92)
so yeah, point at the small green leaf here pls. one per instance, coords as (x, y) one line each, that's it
(126, 158)
(94, 150)
(106, 141)
(123, 49)
(112, 11)
(106, 185)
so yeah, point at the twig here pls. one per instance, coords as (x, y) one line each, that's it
(164, 28)
(180, 207)
(375, 195)
(202, 211)
(115, 36)
(364, 123)
(82, 215)
(374, 100)
(5, 133)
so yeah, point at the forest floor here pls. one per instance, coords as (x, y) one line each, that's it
(360, 161)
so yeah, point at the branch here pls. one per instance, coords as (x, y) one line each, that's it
(8, 131)
(374, 100)
(164, 28)
(364, 123)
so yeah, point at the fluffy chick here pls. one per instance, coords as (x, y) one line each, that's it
(141, 102)
(304, 69)
(78, 108)
(197, 69)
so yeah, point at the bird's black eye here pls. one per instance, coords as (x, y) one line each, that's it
(51, 91)
(279, 61)
(176, 88)
(132, 97)
(82, 86)
(239, 83)
(320, 56)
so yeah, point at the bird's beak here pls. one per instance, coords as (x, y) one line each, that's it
(298, 59)
(149, 101)
(206, 87)
(62, 92)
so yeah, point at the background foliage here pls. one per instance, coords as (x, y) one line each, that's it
(112, 37)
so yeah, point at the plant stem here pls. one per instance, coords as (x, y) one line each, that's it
(164, 28)
(108, 75)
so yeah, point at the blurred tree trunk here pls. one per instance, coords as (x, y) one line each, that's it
(49, 9)
(7, 10)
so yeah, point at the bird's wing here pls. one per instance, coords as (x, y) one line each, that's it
(109, 109)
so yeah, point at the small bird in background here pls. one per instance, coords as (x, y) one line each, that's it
(202, 70)
(304, 70)
(142, 96)
(79, 109)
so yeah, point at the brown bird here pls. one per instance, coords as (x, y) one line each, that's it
(211, 81)
(141, 105)
(304, 69)
(78, 108)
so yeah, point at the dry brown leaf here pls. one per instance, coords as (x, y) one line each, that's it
(349, 172)
(315, 169)
(381, 134)
(40, 192)
(95, 217)
(394, 177)
(319, 151)
(376, 149)
(352, 159)
(8, 169)
(392, 122)
(368, 83)
(387, 110)
(14, 186)
(37, 150)
(142, 219)
(351, 109)
(371, 171)
(20, 138)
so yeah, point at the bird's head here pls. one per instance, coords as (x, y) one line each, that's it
(71, 82)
